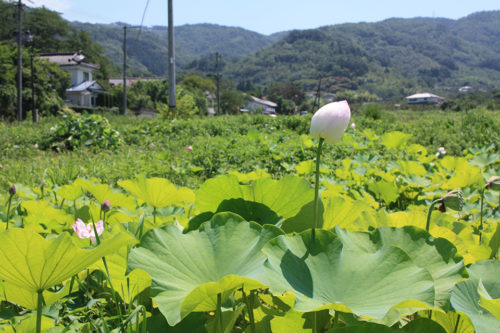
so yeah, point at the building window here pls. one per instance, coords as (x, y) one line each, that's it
(86, 76)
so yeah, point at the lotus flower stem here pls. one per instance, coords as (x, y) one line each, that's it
(108, 276)
(218, 315)
(8, 211)
(249, 303)
(39, 311)
(316, 188)
(456, 324)
(314, 322)
(481, 218)
(428, 224)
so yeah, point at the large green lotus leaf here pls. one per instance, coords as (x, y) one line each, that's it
(488, 302)
(103, 192)
(27, 324)
(465, 178)
(386, 191)
(466, 297)
(158, 192)
(324, 274)
(412, 168)
(126, 285)
(71, 192)
(28, 299)
(299, 321)
(395, 140)
(43, 217)
(34, 263)
(438, 256)
(451, 321)
(455, 163)
(343, 211)
(189, 270)
(415, 326)
(285, 197)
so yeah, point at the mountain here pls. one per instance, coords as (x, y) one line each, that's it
(148, 50)
(390, 59)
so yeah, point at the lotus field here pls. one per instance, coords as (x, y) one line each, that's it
(373, 234)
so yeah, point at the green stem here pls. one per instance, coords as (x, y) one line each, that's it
(481, 223)
(39, 312)
(428, 224)
(249, 304)
(456, 324)
(8, 212)
(314, 324)
(154, 216)
(316, 189)
(218, 315)
(108, 276)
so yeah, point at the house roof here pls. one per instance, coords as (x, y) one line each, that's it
(86, 85)
(264, 102)
(68, 59)
(422, 95)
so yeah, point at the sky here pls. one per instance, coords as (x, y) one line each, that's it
(262, 16)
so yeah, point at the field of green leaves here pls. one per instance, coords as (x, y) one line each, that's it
(206, 226)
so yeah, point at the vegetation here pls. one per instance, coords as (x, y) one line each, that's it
(224, 242)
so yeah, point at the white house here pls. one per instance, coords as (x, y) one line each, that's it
(257, 103)
(424, 98)
(84, 89)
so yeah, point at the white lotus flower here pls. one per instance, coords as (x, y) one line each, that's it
(331, 121)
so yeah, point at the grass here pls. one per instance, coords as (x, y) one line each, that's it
(156, 147)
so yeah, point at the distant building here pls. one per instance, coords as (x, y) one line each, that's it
(84, 89)
(131, 80)
(257, 103)
(424, 98)
(465, 89)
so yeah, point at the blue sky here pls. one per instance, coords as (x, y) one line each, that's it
(263, 16)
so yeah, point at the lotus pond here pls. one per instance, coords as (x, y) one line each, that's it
(233, 250)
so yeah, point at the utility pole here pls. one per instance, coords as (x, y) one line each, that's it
(171, 60)
(124, 111)
(218, 81)
(318, 96)
(19, 63)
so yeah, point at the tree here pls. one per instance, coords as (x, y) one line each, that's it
(289, 90)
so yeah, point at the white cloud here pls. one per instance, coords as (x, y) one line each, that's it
(57, 5)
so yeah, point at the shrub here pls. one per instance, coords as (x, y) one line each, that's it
(373, 111)
(75, 131)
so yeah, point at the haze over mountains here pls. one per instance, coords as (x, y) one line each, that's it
(387, 58)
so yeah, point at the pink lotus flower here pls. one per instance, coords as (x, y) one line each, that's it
(36, 146)
(189, 148)
(87, 231)
(353, 126)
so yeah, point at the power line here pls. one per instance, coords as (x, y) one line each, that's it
(140, 27)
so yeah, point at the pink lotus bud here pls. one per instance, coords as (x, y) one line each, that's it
(105, 206)
(441, 150)
(12, 189)
(330, 121)
(189, 148)
(152, 145)
(36, 146)
(353, 126)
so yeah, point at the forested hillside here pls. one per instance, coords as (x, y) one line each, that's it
(147, 48)
(384, 60)
(389, 58)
